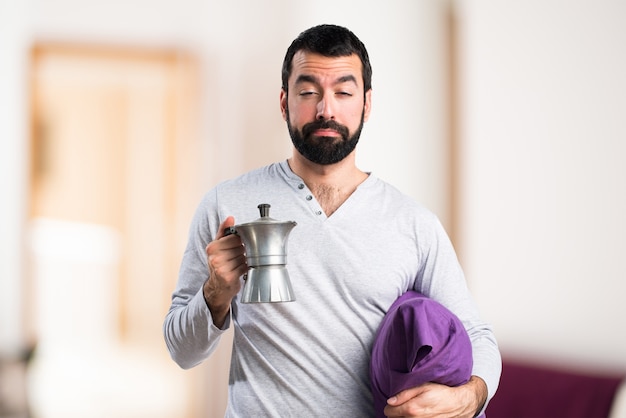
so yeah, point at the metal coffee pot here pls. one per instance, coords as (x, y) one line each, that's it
(266, 252)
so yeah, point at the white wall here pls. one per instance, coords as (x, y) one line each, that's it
(13, 131)
(543, 175)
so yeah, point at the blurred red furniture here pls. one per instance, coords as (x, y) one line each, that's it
(530, 390)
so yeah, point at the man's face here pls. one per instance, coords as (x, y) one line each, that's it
(326, 107)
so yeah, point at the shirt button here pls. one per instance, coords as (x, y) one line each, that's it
(309, 197)
(319, 212)
(300, 186)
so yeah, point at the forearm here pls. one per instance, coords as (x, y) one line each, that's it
(218, 303)
(487, 360)
(192, 329)
(189, 332)
(443, 280)
(479, 389)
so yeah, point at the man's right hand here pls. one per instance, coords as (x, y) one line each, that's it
(227, 263)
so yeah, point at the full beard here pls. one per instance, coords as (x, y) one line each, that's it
(324, 150)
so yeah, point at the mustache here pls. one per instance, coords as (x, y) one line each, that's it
(309, 128)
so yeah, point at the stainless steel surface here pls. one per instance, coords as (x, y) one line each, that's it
(266, 252)
(268, 284)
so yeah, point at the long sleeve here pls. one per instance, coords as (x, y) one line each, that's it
(443, 280)
(188, 328)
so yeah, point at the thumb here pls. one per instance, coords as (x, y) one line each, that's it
(405, 395)
(228, 222)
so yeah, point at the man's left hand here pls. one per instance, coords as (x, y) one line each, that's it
(435, 400)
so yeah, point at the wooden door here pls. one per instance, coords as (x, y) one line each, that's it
(113, 187)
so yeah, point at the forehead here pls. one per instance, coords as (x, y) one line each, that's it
(325, 68)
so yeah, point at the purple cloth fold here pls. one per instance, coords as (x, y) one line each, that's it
(418, 341)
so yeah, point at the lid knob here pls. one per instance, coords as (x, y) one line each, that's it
(264, 209)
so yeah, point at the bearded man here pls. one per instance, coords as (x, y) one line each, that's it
(358, 246)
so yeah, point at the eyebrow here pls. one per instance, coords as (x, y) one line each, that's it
(305, 78)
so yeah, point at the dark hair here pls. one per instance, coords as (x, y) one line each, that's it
(329, 41)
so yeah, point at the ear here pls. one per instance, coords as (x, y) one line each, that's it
(367, 107)
(283, 103)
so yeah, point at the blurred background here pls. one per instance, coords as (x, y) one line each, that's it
(506, 118)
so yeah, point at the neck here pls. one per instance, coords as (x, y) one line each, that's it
(330, 184)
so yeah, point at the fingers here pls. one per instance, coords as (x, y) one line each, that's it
(405, 395)
(227, 263)
(408, 403)
(430, 400)
(228, 222)
(226, 254)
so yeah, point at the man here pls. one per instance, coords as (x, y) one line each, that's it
(358, 245)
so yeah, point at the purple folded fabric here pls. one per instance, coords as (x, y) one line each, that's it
(419, 341)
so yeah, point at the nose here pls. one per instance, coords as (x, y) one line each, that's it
(325, 108)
